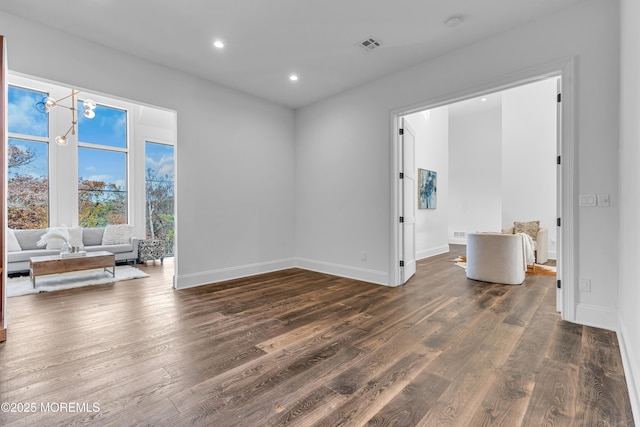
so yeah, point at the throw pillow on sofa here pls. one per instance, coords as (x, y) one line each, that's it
(120, 234)
(531, 228)
(12, 242)
(75, 238)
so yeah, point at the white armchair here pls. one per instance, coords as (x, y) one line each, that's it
(540, 244)
(496, 258)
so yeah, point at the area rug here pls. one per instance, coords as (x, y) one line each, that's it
(17, 286)
(538, 269)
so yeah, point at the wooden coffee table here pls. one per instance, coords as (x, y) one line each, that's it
(53, 264)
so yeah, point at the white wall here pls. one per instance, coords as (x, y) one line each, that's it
(343, 203)
(629, 287)
(432, 153)
(235, 153)
(529, 150)
(475, 158)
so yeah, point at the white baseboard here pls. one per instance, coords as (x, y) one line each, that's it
(598, 317)
(363, 274)
(426, 253)
(633, 380)
(185, 281)
(458, 241)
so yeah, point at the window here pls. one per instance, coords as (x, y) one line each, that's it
(159, 192)
(27, 160)
(102, 168)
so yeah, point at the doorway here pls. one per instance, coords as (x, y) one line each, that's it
(561, 175)
(103, 174)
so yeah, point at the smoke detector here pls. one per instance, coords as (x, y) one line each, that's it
(454, 21)
(369, 44)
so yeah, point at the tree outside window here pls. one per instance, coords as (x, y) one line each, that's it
(159, 192)
(27, 160)
(102, 168)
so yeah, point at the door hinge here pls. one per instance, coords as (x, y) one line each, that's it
(401, 263)
(401, 131)
(401, 219)
(559, 222)
(559, 160)
(559, 97)
(401, 175)
(559, 284)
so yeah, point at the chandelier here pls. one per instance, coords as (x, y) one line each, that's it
(48, 103)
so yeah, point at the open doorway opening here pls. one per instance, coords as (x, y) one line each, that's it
(492, 160)
(85, 191)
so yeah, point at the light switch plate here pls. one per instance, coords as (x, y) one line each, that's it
(587, 200)
(584, 285)
(603, 200)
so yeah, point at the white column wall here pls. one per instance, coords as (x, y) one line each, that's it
(475, 171)
(529, 168)
(629, 232)
(432, 141)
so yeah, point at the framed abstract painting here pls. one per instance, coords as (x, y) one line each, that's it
(427, 189)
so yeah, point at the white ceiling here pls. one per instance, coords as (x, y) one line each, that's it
(268, 40)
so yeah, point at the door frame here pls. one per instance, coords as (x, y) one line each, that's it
(567, 182)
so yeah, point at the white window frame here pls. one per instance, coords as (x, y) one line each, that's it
(46, 89)
(127, 108)
(63, 160)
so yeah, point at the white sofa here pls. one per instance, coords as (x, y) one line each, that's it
(496, 258)
(540, 244)
(92, 238)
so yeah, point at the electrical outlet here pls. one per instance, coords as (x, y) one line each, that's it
(584, 285)
(363, 257)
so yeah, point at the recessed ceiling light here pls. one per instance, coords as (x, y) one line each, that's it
(219, 44)
(483, 99)
(293, 77)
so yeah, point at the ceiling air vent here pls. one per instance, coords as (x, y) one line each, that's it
(369, 44)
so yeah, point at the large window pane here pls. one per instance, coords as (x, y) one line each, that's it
(23, 116)
(28, 173)
(108, 127)
(159, 165)
(102, 187)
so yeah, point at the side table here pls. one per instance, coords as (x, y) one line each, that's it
(150, 249)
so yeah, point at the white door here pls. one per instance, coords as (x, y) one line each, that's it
(409, 199)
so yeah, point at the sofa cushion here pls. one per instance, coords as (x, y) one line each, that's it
(114, 249)
(117, 234)
(12, 243)
(28, 239)
(531, 228)
(92, 236)
(25, 255)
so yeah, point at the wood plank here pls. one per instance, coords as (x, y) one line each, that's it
(372, 394)
(413, 403)
(554, 396)
(506, 401)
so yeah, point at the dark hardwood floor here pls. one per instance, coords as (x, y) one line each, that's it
(308, 349)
